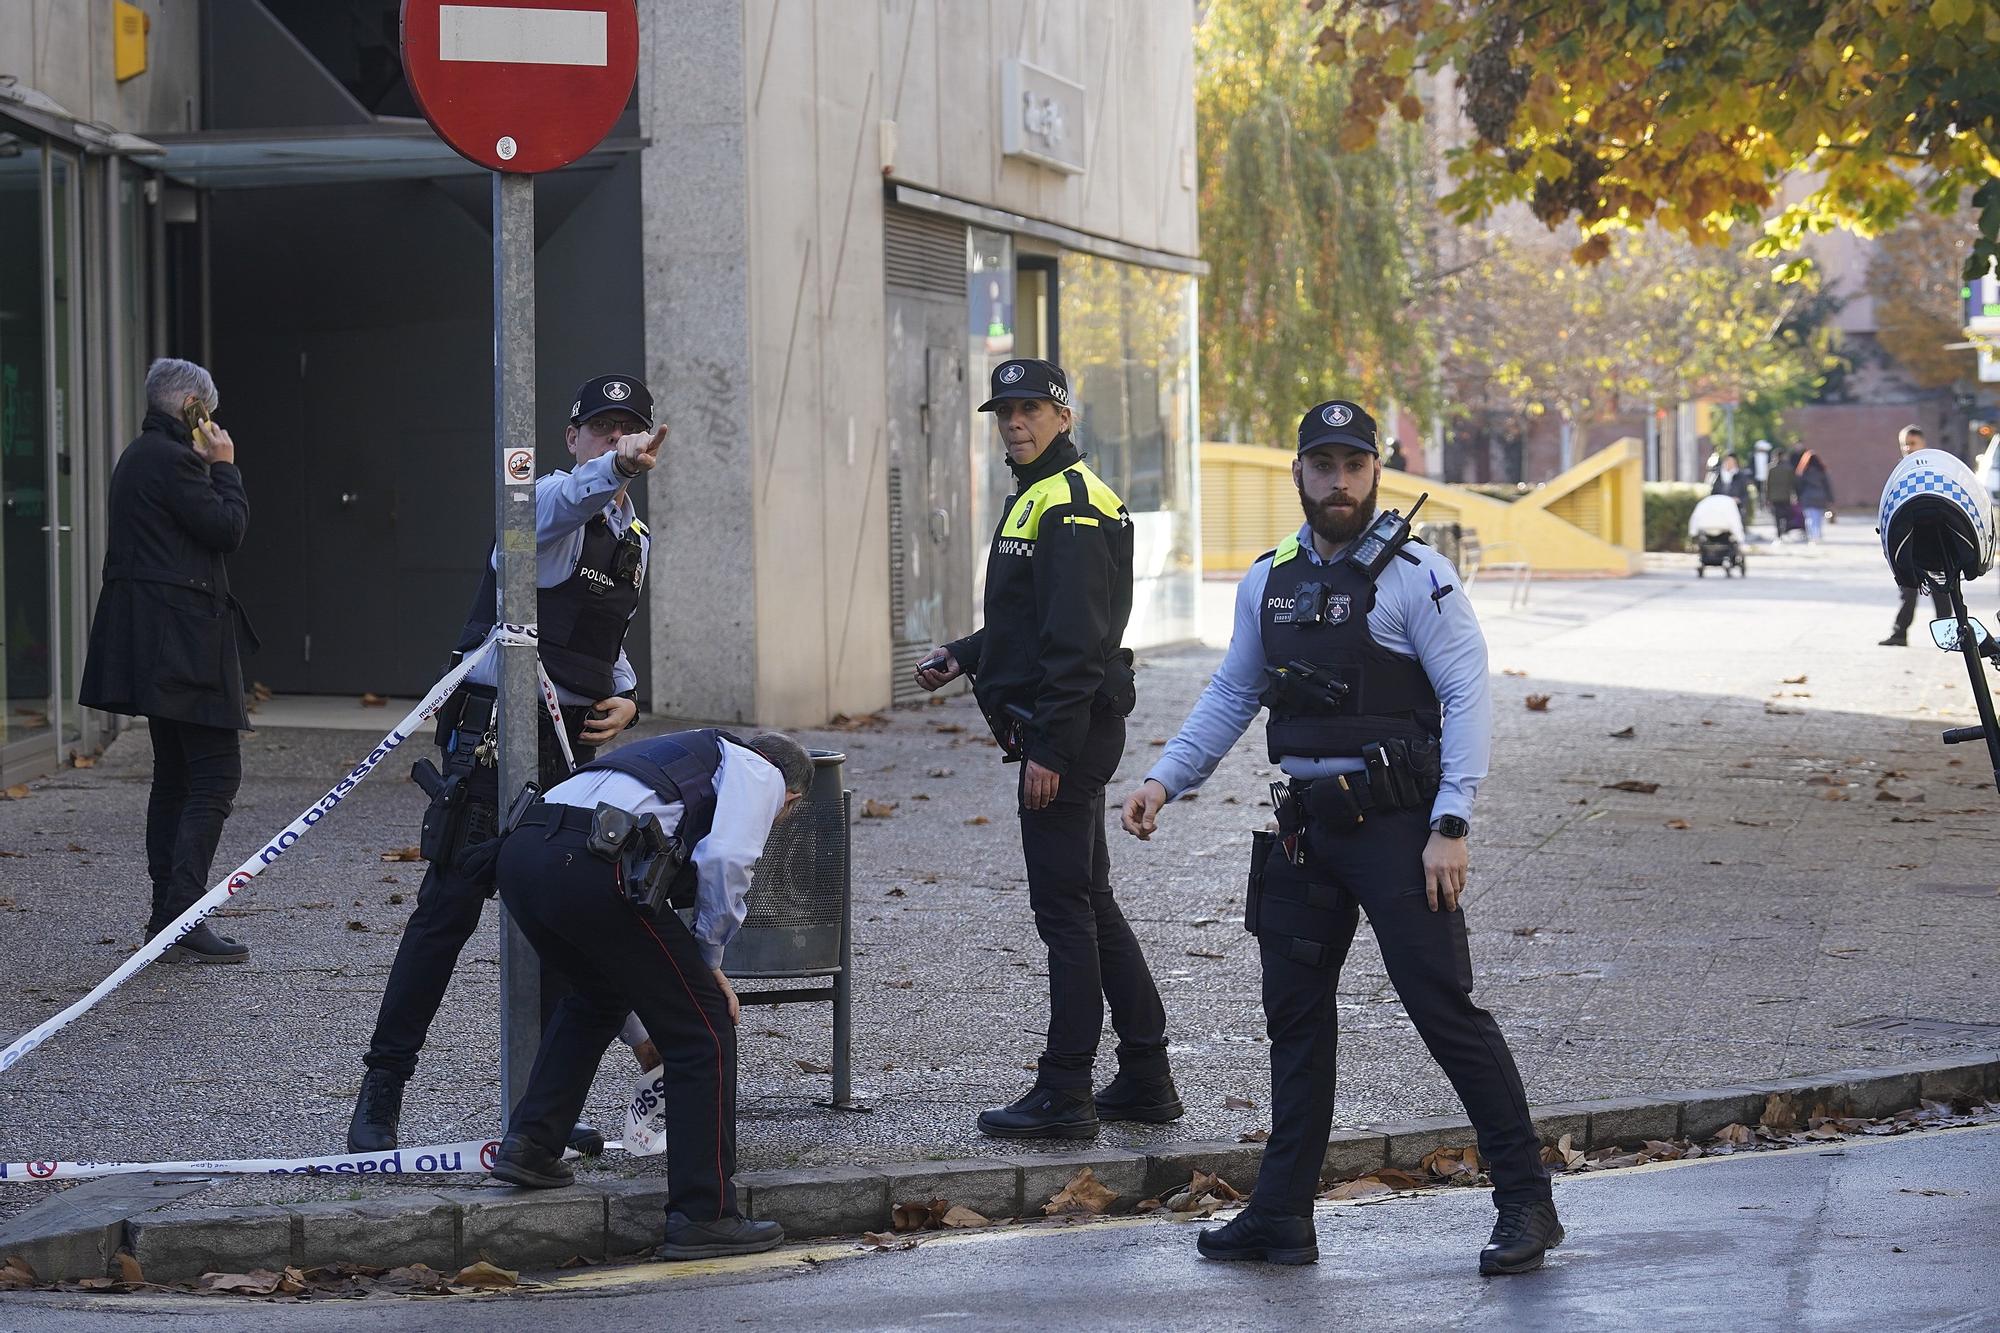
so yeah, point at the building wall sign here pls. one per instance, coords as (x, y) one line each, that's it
(1041, 117)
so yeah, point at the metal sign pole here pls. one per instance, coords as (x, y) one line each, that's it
(514, 544)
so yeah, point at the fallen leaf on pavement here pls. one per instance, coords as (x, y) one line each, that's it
(1085, 1195)
(977, 820)
(404, 854)
(1254, 1136)
(947, 728)
(884, 1241)
(1203, 953)
(357, 925)
(874, 809)
(1777, 711)
(866, 722)
(257, 1282)
(1562, 1153)
(1738, 1134)
(919, 1216)
(372, 700)
(1679, 824)
(1363, 1188)
(1452, 1163)
(812, 1067)
(17, 792)
(1537, 703)
(905, 984)
(1836, 794)
(82, 761)
(1234, 1103)
(1633, 784)
(958, 1215)
(941, 772)
(896, 893)
(128, 1268)
(1781, 1113)
(1795, 680)
(1624, 733)
(16, 1273)
(486, 1276)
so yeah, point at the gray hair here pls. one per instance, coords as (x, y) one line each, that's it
(169, 381)
(788, 756)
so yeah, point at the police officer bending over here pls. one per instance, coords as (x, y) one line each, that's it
(590, 565)
(1374, 669)
(592, 873)
(1056, 686)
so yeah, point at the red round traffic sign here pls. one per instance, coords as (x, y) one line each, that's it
(525, 86)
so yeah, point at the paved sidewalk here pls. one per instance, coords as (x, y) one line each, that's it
(1783, 931)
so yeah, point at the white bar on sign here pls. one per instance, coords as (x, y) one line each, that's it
(493, 35)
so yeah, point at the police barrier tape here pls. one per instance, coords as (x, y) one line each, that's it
(470, 1157)
(238, 879)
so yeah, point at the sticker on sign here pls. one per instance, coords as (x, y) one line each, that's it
(520, 466)
(522, 36)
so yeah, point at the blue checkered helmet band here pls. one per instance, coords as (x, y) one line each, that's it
(1921, 483)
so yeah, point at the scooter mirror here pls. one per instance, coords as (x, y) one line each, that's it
(1944, 633)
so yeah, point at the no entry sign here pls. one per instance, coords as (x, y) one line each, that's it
(526, 86)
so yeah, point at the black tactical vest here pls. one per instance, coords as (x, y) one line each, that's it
(680, 766)
(1389, 696)
(581, 621)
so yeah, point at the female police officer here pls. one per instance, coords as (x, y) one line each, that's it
(1375, 675)
(1056, 687)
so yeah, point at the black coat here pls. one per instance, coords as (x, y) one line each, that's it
(166, 636)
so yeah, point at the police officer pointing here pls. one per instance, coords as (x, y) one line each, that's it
(593, 873)
(1372, 663)
(591, 552)
(1056, 687)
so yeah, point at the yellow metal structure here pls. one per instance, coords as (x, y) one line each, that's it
(1588, 521)
(129, 26)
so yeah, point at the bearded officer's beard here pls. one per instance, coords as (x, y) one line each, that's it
(1335, 526)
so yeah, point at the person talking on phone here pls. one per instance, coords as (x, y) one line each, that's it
(165, 638)
(590, 567)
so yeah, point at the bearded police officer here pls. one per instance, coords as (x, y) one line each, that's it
(591, 552)
(1056, 686)
(1372, 663)
(593, 873)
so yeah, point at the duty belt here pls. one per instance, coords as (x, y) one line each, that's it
(557, 817)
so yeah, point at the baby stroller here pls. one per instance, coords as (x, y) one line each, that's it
(1716, 527)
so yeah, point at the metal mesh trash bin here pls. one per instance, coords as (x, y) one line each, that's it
(801, 911)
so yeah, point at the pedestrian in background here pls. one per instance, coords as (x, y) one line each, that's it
(1814, 490)
(1908, 441)
(164, 642)
(1778, 490)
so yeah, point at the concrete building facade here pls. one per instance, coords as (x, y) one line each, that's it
(814, 231)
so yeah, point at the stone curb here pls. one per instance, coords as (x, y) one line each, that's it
(620, 1218)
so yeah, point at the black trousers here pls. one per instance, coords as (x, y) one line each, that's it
(196, 771)
(619, 960)
(445, 917)
(1093, 956)
(1906, 614)
(1377, 867)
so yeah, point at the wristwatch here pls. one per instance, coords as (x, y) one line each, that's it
(1451, 826)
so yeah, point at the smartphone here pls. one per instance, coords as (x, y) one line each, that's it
(196, 416)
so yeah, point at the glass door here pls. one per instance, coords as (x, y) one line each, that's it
(25, 418)
(64, 461)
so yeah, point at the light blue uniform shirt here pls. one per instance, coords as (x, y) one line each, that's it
(1443, 635)
(564, 503)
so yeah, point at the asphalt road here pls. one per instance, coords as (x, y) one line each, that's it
(1864, 1234)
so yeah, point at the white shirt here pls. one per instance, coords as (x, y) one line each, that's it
(749, 793)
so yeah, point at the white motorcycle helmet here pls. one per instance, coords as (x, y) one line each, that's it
(1935, 517)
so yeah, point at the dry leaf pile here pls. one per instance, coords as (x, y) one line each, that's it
(1205, 1194)
(331, 1280)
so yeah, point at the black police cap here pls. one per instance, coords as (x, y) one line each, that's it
(1028, 379)
(611, 393)
(1337, 421)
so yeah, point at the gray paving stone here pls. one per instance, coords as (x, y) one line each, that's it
(1043, 1175)
(1971, 1080)
(217, 1240)
(1704, 1111)
(1571, 1118)
(1349, 1152)
(1879, 1092)
(61, 1256)
(1631, 1120)
(991, 1189)
(1170, 1168)
(388, 1233)
(517, 1228)
(1414, 1140)
(823, 1201)
(636, 1213)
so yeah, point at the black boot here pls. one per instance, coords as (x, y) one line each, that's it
(521, 1161)
(376, 1111)
(1897, 639)
(722, 1237)
(1273, 1238)
(1043, 1113)
(1152, 1100)
(586, 1139)
(1524, 1233)
(202, 945)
